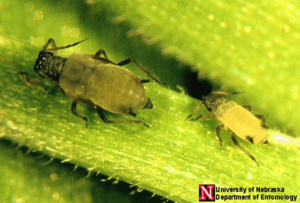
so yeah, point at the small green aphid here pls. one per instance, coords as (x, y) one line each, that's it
(237, 120)
(94, 80)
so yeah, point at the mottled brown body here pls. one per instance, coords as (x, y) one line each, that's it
(95, 80)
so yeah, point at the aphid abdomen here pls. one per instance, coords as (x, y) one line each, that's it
(116, 89)
(243, 123)
(75, 75)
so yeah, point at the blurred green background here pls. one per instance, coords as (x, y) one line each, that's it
(252, 47)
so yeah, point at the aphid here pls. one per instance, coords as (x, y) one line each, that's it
(95, 80)
(237, 120)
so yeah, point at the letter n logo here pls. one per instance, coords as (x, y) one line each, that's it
(207, 193)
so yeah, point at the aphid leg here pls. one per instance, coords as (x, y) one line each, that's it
(218, 134)
(233, 93)
(243, 149)
(263, 121)
(203, 116)
(73, 109)
(181, 89)
(195, 110)
(132, 114)
(248, 107)
(27, 79)
(30, 81)
(223, 93)
(145, 81)
(105, 120)
(130, 60)
(101, 51)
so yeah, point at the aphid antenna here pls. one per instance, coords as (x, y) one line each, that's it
(223, 93)
(65, 47)
(196, 109)
(232, 93)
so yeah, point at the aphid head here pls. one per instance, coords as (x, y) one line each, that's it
(43, 62)
(210, 100)
(48, 65)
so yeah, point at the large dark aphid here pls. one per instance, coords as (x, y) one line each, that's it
(95, 80)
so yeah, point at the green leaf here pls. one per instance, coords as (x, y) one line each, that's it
(31, 178)
(28, 176)
(171, 158)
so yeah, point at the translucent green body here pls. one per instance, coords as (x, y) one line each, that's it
(239, 120)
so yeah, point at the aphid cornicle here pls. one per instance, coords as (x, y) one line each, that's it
(237, 120)
(96, 81)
